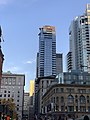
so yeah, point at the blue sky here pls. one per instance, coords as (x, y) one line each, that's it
(20, 21)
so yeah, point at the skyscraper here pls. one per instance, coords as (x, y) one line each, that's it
(31, 87)
(48, 61)
(79, 36)
(47, 51)
(59, 63)
(48, 64)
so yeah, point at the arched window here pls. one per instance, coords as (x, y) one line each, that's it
(62, 99)
(88, 99)
(70, 99)
(82, 99)
(57, 99)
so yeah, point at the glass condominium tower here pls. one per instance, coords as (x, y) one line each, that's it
(47, 51)
(78, 57)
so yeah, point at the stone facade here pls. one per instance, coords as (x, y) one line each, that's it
(63, 99)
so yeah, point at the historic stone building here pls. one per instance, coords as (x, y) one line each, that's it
(63, 99)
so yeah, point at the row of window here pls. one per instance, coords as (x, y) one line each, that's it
(8, 95)
(70, 99)
(67, 108)
(11, 80)
(71, 90)
(76, 77)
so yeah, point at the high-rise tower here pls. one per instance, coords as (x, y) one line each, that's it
(79, 36)
(48, 64)
(47, 51)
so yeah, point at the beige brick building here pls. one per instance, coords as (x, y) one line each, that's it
(63, 99)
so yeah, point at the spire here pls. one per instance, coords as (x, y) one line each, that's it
(1, 55)
(0, 36)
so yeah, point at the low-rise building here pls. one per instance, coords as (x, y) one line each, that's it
(12, 86)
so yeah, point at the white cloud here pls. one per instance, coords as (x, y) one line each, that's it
(29, 62)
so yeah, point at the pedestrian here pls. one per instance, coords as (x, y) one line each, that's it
(69, 117)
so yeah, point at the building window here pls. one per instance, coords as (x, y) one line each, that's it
(76, 108)
(12, 99)
(5, 91)
(8, 95)
(88, 108)
(76, 100)
(4, 95)
(0, 95)
(82, 108)
(54, 99)
(9, 83)
(88, 99)
(57, 108)
(57, 90)
(82, 90)
(69, 90)
(18, 91)
(62, 99)
(70, 108)
(13, 81)
(76, 96)
(80, 77)
(74, 77)
(70, 99)
(62, 108)
(57, 99)
(88, 90)
(19, 83)
(82, 99)
(6, 82)
(62, 90)
(13, 95)
(8, 91)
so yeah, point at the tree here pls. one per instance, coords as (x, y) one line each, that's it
(11, 106)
